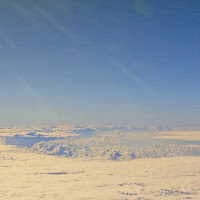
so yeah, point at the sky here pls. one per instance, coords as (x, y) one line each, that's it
(99, 62)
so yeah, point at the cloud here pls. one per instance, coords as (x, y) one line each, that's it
(143, 7)
(24, 12)
(48, 17)
(40, 104)
(7, 40)
(27, 87)
(132, 76)
(35, 13)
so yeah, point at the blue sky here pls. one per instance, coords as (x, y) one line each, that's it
(102, 62)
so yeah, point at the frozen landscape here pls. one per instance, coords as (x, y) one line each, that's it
(96, 162)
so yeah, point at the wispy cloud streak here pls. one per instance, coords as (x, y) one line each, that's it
(34, 12)
(23, 11)
(7, 40)
(26, 87)
(53, 21)
(132, 76)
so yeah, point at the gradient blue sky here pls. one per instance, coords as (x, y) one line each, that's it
(100, 61)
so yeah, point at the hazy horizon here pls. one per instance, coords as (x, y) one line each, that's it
(99, 62)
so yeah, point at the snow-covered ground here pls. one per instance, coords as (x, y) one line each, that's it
(99, 163)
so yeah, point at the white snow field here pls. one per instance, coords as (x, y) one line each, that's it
(114, 164)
